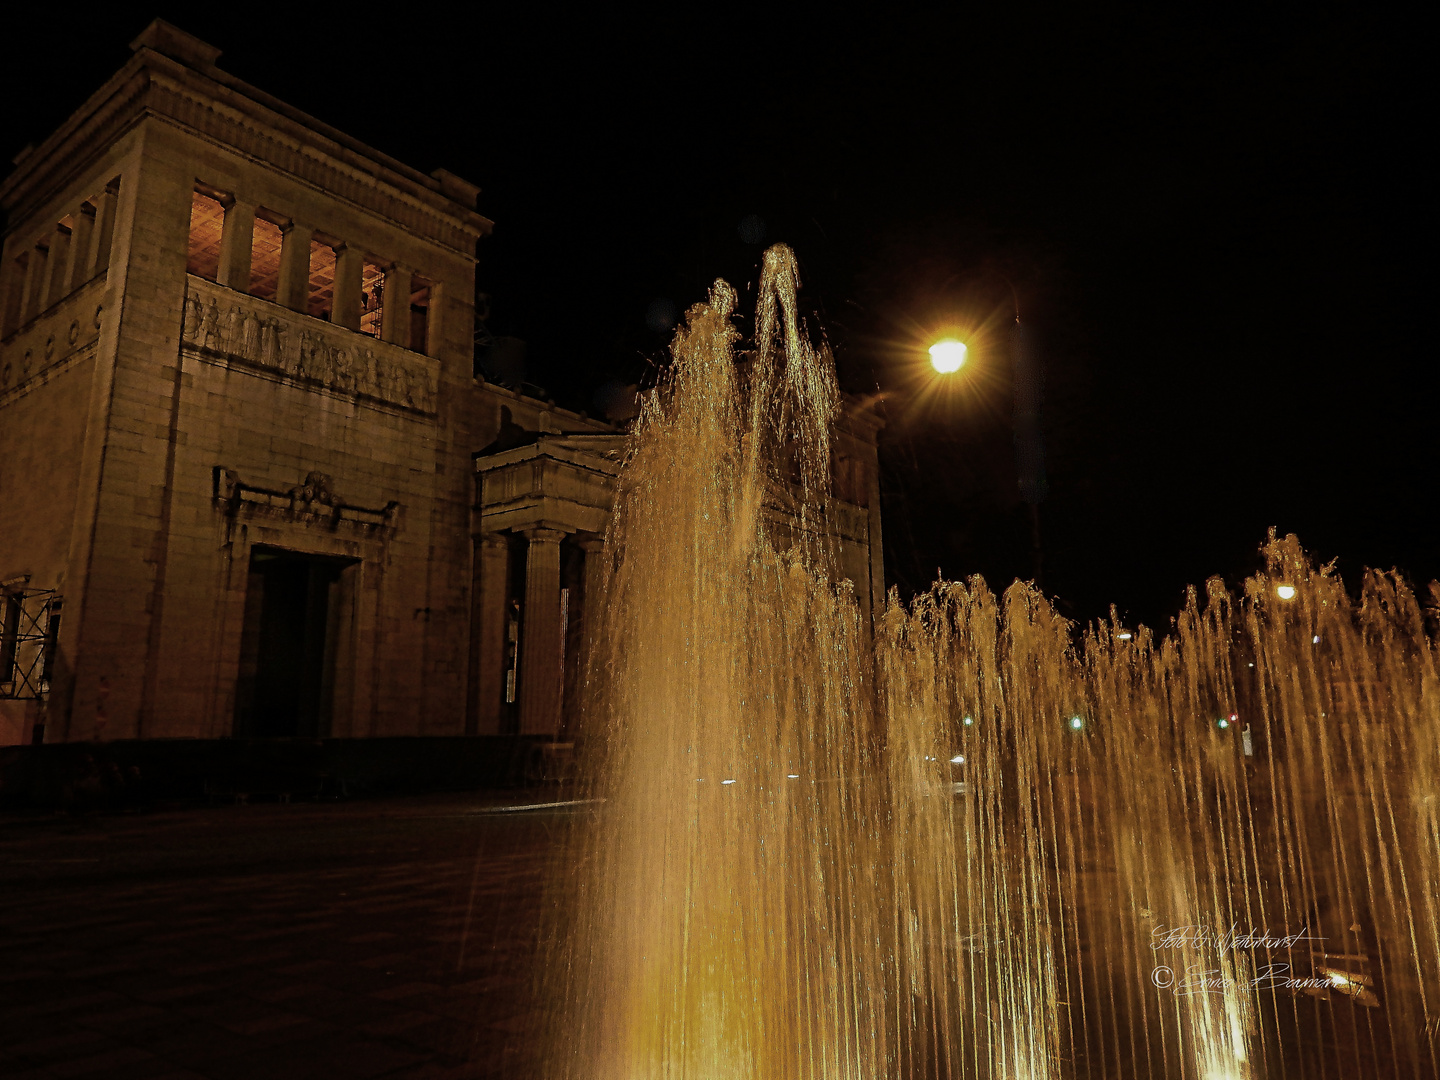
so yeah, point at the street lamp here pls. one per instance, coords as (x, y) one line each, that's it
(947, 356)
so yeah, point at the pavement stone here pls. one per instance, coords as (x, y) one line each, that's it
(386, 939)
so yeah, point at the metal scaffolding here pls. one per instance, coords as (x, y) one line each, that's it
(29, 624)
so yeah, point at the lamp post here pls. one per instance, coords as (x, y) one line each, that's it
(948, 355)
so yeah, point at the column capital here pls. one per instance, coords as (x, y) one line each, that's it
(544, 534)
(492, 539)
(591, 544)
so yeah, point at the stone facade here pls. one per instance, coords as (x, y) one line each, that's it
(257, 461)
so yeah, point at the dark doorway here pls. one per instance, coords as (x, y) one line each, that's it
(287, 647)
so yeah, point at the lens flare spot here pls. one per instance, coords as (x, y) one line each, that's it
(947, 356)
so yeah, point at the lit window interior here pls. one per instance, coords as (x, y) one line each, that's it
(321, 301)
(265, 259)
(207, 219)
(372, 286)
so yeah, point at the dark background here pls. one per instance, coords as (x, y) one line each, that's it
(1213, 224)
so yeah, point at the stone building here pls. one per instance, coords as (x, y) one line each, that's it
(250, 481)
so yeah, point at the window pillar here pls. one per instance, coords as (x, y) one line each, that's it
(237, 237)
(51, 285)
(98, 257)
(395, 313)
(82, 225)
(435, 320)
(30, 287)
(349, 271)
(294, 285)
(541, 676)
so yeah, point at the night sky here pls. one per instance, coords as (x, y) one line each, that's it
(1213, 224)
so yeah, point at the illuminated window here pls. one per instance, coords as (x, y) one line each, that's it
(372, 299)
(207, 220)
(265, 257)
(321, 300)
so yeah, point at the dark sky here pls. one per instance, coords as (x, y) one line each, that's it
(1213, 224)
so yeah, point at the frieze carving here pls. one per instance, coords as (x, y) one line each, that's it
(49, 342)
(311, 502)
(223, 323)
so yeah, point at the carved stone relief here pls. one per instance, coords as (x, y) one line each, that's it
(239, 327)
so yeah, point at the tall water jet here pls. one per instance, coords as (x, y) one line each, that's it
(973, 839)
(722, 929)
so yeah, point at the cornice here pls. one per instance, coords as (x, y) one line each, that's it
(231, 114)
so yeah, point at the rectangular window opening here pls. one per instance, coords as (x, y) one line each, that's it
(265, 257)
(207, 220)
(372, 288)
(52, 640)
(321, 300)
(9, 635)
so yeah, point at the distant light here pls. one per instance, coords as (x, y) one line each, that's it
(1124, 635)
(1223, 722)
(968, 721)
(947, 356)
(1076, 723)
(727, 781)
(1285, 592)
(1315, 640)
(1234, 717)
(958, 759)
(792, 776)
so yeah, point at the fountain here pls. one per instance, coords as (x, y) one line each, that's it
(973, 842)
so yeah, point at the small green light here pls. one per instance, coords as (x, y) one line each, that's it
(968, 721)
(1076, 723)
(1223, 722)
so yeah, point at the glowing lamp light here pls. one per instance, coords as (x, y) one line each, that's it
(1285, 592)
(969, 721)
(1076, 723)
(958, 759)
(727, 781)
(947, 356)
(1223, 722)
(1124, 635)
(792, 776)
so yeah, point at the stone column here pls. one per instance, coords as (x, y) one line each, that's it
(395, 306)
(30, 287)
(594, 598)
(98, 257)
(435, 320)
(293, 289)
(82, 225)
(489, 576)
(53, 281)
(349, 272)
(541, 677)
(237, 241)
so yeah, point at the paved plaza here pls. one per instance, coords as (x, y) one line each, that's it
(386, 938)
